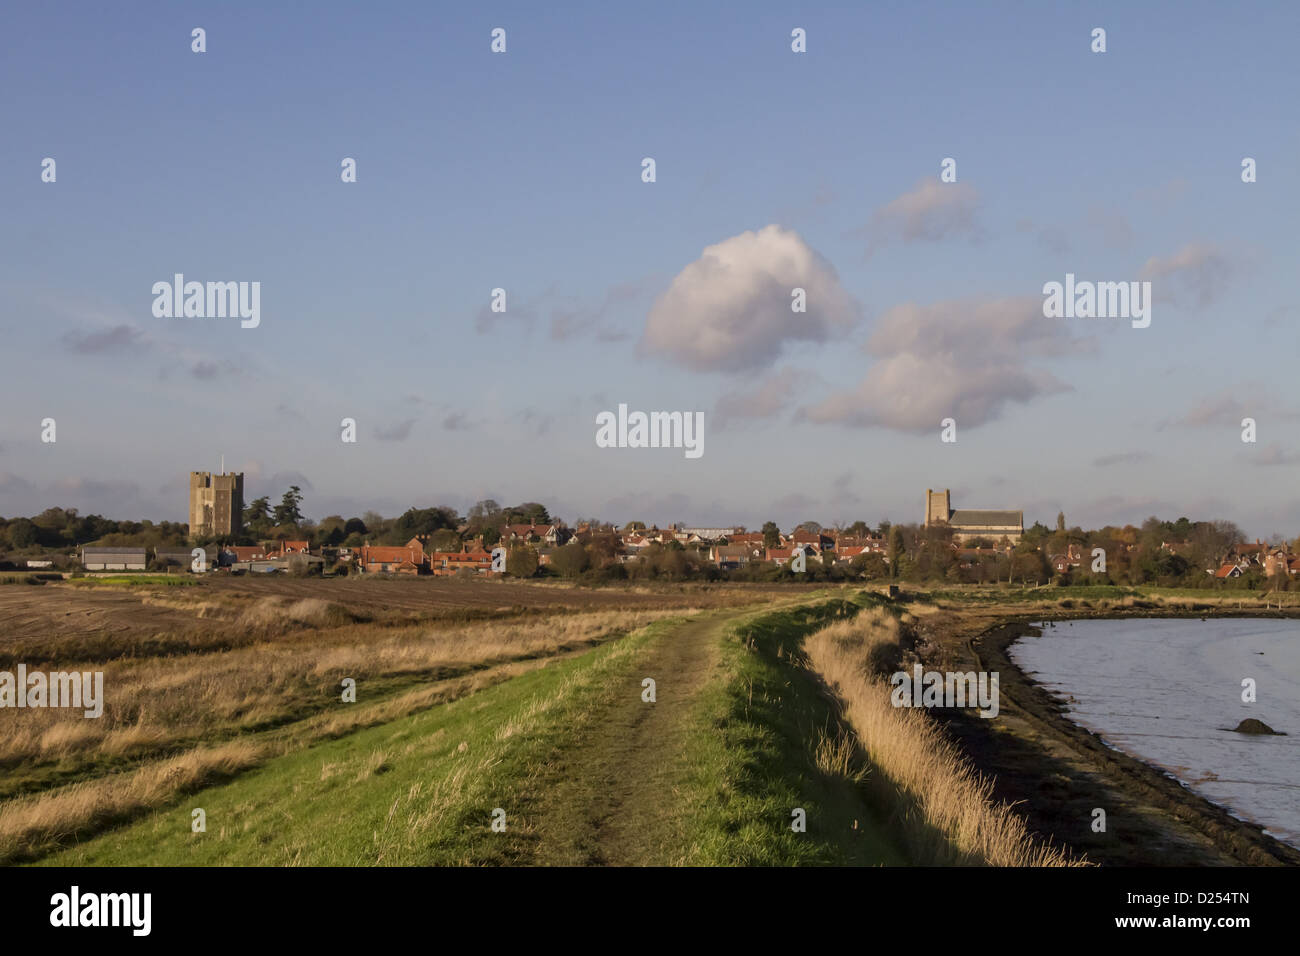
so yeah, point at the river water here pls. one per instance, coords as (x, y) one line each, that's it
(1169, 691)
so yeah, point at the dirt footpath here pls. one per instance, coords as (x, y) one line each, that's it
(609, 797)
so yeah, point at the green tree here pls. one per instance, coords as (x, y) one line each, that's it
(871, 566)
(445, 540)
(287, 511)
(571, 560)
(897, 549)
(771, 534)
(530, 512)
(521, 562)
(22, 533)
(330, 531)
(258, 513)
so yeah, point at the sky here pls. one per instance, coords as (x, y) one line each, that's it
(774, 170)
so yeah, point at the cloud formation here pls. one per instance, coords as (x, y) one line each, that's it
(730, 309)
(965, 359)
(117, 338)
(931, 212)
(765, 398)
(1194, 275)
(399, 432)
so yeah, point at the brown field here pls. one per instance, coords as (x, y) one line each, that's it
(81, 622)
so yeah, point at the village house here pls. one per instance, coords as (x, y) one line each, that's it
(548, 534)
(1073, 558)
(846, 553)
(242, 553)
(1277, 561)
(732, 556)
(867, 543)
(445, 563)
(409, 558)
(275, 550)
(816, 540)
(780, 556)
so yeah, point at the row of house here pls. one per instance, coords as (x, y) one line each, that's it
(1270, 560)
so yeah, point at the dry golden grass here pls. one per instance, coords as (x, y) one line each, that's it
(155, 703)
(954, 818)
(34, 824)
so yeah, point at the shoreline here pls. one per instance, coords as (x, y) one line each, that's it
(1058, 771)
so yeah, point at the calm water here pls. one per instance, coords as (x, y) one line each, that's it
(1165, 690)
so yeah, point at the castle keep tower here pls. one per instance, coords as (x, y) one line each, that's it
(216, 504)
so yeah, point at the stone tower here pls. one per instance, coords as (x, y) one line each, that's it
(216, 504)
(938, 506)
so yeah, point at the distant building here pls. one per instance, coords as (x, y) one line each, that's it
(731, 556)
(968, 524)
(216, 504)
(173, 557)
(446, 563)
(114, 559)
(237, 554)
(705, 534)
(385, 559)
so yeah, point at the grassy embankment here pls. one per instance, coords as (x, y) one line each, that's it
(183, 717)
(421, 789)
(946, 808)
(760, 738)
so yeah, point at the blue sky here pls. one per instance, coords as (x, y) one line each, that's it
(522, 171)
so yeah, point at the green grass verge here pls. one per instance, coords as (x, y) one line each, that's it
(177, 580)
(402, 793)
(752, 743)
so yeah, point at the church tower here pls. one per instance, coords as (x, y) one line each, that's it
(938, 507)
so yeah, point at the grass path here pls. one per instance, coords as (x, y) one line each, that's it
(612, 796)
(585, 771)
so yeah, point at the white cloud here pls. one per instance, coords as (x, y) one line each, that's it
(932, 211)
(730, 309)
(961, 359)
